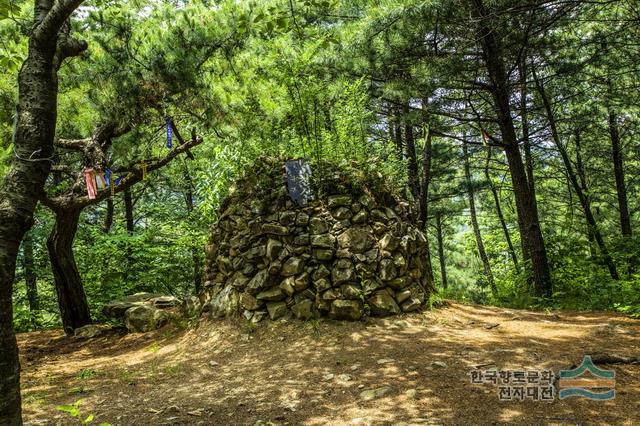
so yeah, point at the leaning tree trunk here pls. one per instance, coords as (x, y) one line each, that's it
(573, 180)
(72, 300)
(503, 222)
(474, 223)
(443, 263)
(528, 219)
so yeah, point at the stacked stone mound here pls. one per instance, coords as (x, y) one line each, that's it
(351, 252)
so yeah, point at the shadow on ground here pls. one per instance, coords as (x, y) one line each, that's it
(225, 372)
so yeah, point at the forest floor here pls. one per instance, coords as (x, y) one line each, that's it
(413, 369)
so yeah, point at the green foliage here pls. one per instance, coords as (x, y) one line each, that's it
(74, 411)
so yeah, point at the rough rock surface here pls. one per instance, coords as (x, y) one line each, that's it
(353, 251)
(144, 312)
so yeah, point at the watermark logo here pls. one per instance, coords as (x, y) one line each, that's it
(518, 385)
(598, 384)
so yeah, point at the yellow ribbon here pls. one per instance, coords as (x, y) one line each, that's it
(143, 166)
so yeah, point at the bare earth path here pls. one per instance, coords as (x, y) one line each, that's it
(314, 373)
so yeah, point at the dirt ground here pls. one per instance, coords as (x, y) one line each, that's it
(226, 372)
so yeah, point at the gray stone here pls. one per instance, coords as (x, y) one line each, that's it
(301, 240)
(274, 249)
(274, 268)
(320, 272)
(277, 310)
(378, 216)
(274, 229)
(367, 202)
(340, 225)
(272, 294)
(360, 217)
(323, 254)
(342, 213)
(399, 283)
(224, 265)
(387, 270)
(379, 228)
(350, 291)
(258, 316)
(255, 252)
(249, 302)
(293, 266)
(342, 275)
(382, 303)
(323, 241)
(371, 394)
(288, 285)
(339, 200)
(322, 284)
(410, 305)
(259, 282)
(238, 280)
(318, 226)
(346, 309)
(389, 242)
(331, 294)
(88, 332)
(287, 218)
(117, 308)
(303, 309)
(301, 282)
(401, 296)
(303, 219)
(356, 239)
(144, 318)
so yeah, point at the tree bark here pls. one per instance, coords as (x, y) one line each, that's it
(443, 265)
(618, 172)
(573, 179)
(195, 253)
(30, 279)
(128, 210)
(503, 222)
(23, 185)
(72, 300)
(423, 199)
(108, 218)
(582, 176)
(412, 164)
(474, 222)
(525, 201)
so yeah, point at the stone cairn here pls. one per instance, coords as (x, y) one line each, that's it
(352, 251)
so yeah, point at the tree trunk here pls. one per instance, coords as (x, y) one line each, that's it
(573, 179)
(128, 210)
(108, 218)
(618, 172)
(34, 133)
(30, 279)
(443, 265)
(525, 201)
(503, 222)
(423, 199)
(474, 223)
(74, 309)
(195, 253)
(412, 172)
(582, 176)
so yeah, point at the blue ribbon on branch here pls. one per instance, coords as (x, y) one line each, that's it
(169, 122)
